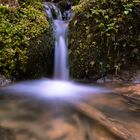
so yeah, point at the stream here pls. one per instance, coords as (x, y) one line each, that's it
(31, 119)
(60, 109)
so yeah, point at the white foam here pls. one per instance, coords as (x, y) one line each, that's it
(47, 89)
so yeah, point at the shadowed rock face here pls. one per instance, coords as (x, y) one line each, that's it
(64, 5)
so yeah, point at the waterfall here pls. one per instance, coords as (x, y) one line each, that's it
(53, 11)
(60, 86)
(60, 29)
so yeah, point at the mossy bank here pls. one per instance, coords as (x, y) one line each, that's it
(104, 36)
(25, 39)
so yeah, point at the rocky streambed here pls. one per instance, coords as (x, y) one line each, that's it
(114, 116)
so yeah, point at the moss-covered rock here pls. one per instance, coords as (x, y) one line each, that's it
(40, 57)
(104, 36)
(24, 38)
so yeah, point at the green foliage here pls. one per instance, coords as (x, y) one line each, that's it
(75, 2)
(19, 27)
(104, 35)
(37, 4)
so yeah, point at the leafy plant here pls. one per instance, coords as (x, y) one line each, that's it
(104, 32)
(19, 27)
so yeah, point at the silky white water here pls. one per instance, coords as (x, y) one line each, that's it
(61, 49)
(60, 86)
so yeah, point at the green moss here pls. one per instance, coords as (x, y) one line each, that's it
(19, 27)
(104, 36)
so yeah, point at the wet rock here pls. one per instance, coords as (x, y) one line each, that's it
(132, 77)
(7, 134)
(65, 6)
(4, 81)
(109, 79)
(136, 78)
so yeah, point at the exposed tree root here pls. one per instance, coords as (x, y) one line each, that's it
(98, 116)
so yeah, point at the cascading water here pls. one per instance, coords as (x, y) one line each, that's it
(60, 64)
(60, 86)
(60, 28)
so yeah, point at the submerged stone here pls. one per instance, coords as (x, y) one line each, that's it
(7, 134)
